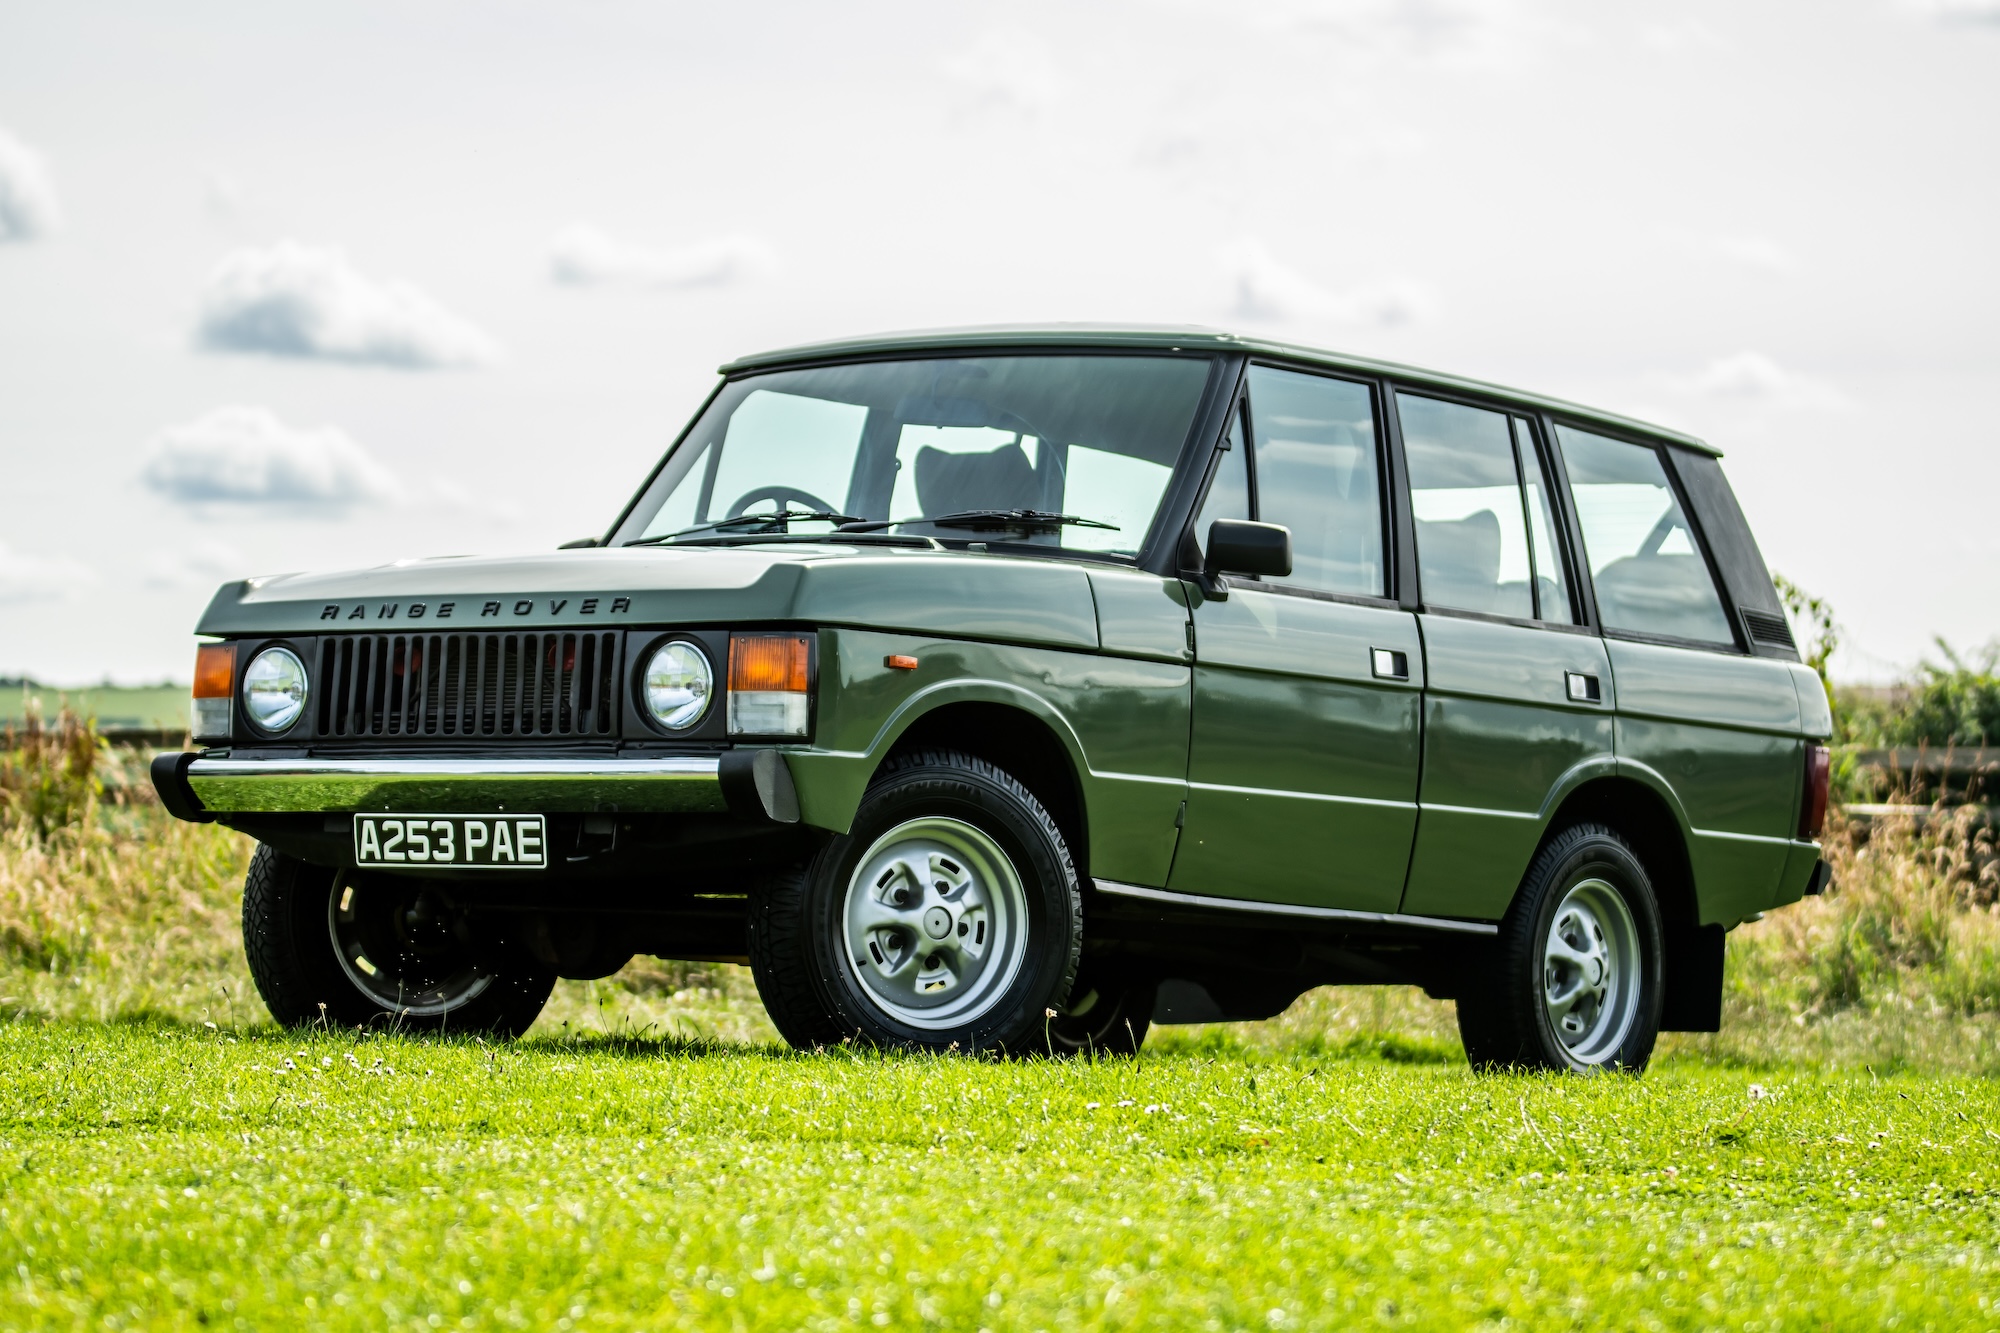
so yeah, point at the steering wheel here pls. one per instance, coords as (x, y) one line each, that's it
(786, 497)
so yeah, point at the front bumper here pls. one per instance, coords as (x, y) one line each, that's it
(754, 783)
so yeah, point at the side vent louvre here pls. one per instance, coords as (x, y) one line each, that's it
(1768, 629)
(467, 685)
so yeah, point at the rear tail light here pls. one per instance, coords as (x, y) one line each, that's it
(1819, 779)
(214, 692)
(770, 685)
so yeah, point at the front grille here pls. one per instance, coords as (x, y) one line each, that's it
(1767, 628)
(468, 685)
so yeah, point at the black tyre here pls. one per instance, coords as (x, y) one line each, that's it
(333, 947)
(948, 917)
(1575, 978)
(1107, 1013)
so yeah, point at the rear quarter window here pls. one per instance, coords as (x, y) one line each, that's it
(1648, 570)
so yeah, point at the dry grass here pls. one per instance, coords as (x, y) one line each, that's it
(124, 914)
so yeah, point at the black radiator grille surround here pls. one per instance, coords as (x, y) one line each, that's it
(487, 686)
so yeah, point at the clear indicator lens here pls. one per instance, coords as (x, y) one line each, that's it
(678, 684)
(274, 690)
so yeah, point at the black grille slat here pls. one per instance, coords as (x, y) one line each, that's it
(463, 686)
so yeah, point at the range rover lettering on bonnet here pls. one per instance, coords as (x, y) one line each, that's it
(481, 608)
(1016, 690)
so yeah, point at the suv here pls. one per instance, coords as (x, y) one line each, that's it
(1013, 689)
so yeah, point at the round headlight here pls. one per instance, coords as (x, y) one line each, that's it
(678, 684)
(274, 689)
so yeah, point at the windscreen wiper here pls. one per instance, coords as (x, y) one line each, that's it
(986, 520)
(780, 520)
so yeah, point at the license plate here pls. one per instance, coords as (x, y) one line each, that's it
(477, 842)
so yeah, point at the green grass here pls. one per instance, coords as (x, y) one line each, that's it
(168, 1176)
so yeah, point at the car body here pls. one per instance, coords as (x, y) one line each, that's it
(1441, 626)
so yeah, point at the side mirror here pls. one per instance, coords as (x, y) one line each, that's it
(580, 543)
(1236, 547)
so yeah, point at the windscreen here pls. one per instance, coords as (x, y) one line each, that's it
(900, 445)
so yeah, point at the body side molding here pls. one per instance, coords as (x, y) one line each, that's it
(1167, 896)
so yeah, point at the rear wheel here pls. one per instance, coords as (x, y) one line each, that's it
(328, 946)
(948, 917)
(1108, 1013)
(1575, 979)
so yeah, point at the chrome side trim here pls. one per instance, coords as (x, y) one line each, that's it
(1112, 886)
(677, 783)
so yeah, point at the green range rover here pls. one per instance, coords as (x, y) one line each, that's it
(1015, 689)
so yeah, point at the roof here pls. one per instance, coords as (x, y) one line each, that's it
(1189, 338)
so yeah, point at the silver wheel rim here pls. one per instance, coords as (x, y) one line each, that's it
(1590, 972)
(936, 923)
(382, 979)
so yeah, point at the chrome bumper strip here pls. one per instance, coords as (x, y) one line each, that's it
(674, 783)
(1336, 914)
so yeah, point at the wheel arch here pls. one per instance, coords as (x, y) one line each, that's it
(1041, 753)
(1650, 820)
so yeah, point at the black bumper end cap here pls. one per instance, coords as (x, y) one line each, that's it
(169, 774)
(1821, 881)
(757, 784)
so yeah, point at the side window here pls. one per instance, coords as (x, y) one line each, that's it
(1318, 473)
(1649, 574)
(1472, 516)
(1552, 595)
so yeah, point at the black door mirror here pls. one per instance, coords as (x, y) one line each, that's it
(1236, 547)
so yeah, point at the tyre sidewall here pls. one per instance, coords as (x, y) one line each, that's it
(288, 940)
(1000, 808)
(1595, 854)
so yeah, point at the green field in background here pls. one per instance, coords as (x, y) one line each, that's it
(152, 707)
(165, 1176)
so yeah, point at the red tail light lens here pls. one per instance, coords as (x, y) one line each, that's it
(1819, 781)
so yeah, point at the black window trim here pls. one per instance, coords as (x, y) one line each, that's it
(1737, 644)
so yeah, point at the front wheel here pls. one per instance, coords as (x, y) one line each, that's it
(947, 918)
(1575, 979)
(337, 947)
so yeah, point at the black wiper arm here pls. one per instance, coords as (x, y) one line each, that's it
(779, 520)
(986, 520)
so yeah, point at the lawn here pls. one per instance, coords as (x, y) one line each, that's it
(168, 1175)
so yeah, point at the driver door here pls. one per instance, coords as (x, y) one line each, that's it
(1303, 763)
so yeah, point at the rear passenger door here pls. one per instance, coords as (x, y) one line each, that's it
(1717, 725)
(1519, 693)
(1303, 759)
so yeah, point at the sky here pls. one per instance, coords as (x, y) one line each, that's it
(321, 286)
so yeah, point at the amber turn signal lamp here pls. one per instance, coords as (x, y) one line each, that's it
(769, 684)
(899, 662)
(212, 713)
(214, 670)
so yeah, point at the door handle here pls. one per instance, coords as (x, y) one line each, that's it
(1583, 689)
(1389, 664)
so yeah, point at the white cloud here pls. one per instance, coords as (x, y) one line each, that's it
(34, 578)
(246, 456)
(1754, 378)
(1752, 252)
(1450, 34)
(28, 206)
(582, 256)
(303, 301)
(1267, 291)
(1007, 71)
(1959, 11)
(199, 563)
